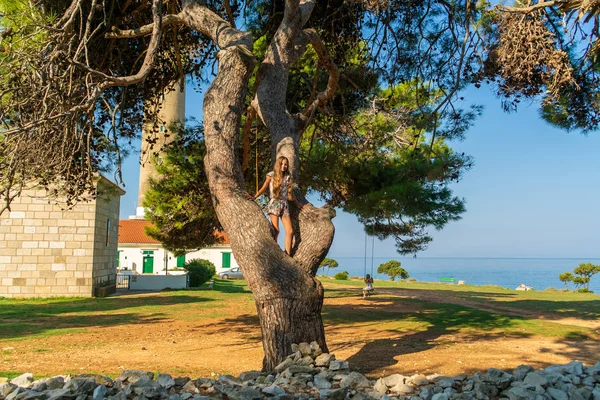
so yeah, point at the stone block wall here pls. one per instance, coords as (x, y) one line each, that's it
(106, 238)
(46, 251)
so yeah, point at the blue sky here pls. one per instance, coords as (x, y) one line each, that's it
(533, 191)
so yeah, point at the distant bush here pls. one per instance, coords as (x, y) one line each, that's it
(356, 278)
(553, 289)
(200, 271)
(584, 290)
(412, 280)
(341, 276)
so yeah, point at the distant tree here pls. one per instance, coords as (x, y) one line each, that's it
(584, 274)
(392, 269)
(329, 263)
(178, 202)
(566, 278)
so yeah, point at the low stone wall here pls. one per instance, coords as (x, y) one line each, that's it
(157, 282)
(310, 374)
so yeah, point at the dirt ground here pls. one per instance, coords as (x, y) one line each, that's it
(233, 345)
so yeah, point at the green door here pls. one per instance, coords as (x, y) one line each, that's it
(148, 264)
(180, 261)
(226, 262)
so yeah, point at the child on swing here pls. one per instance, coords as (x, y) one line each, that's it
(279, 181)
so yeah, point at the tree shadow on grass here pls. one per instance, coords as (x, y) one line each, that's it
(228, 286)
(411, 326)
(246, 324)
(22, 318)
(585, 306)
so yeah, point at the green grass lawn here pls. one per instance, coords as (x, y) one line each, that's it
(388, 313)
(584, 306)
(22, 319)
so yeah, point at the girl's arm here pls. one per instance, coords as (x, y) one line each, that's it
(263, 189)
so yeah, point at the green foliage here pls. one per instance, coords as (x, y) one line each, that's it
(341, 276)
(388, 171)
(199, 271)
(565, 278)
(581, 276)
(178, 202)
(393, 269)
(328, 263)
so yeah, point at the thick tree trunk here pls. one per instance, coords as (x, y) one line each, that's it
(290, 320)
(288, 297)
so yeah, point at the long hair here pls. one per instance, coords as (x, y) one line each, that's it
(278, 177)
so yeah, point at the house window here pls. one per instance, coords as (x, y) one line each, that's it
(226, 260)
(107, 232)
(180, 261)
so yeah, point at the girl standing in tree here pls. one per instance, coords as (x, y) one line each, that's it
(279, 181)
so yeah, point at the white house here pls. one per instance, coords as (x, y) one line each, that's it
(142, 254)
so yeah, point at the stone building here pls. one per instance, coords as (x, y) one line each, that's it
(49, 251)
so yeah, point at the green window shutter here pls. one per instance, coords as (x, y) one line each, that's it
(226, 260)
(180, 261)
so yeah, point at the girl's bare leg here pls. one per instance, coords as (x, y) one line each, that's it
(289, 232)
(275, 222)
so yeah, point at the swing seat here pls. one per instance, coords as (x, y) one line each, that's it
(368, 292)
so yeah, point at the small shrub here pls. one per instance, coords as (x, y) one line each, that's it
(584, 290)
(553, 289)
(341, 276)
(412, 280)
(200, 271)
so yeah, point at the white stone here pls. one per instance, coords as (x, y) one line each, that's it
(24, 381)
(323, 360)
(402, 388)
(354, 380)
(16, 214)
(419, 380)
(393, 380)
(380, 386)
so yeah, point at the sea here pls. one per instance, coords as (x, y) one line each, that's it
(539, 273)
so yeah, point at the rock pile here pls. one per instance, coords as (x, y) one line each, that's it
(309, 373)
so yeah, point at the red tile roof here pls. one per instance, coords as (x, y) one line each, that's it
(133, 231)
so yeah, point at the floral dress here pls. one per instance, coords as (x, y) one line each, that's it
(279, 206)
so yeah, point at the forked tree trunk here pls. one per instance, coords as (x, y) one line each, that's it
(287, 295)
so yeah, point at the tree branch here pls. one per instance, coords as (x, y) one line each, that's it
(209, 23)
(526, 10)
(116, 33)
(307, 116)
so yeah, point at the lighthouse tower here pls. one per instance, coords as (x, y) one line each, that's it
(172, 111)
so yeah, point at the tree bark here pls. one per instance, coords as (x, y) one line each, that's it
(287, 295)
